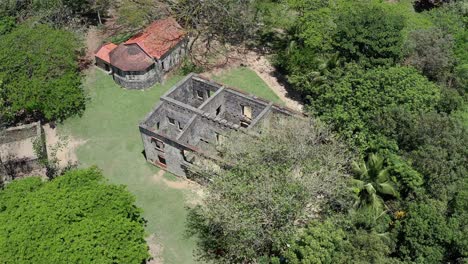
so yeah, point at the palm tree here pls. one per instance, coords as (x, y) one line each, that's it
(372, 181)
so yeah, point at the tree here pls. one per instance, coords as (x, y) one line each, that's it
(369, 34)
(431, 52)
(333, 241)
(371, 182)
(6, 25)
(75, 218)
(135, 14)
(55, 13)
(321, 242)
(424, 234)
(432, 142)
(458, 223)
(273, 182)
(34, 86)
(353, 100)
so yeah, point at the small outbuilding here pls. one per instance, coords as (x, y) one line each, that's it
(143, 60)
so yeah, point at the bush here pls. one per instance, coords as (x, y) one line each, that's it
(188, 67)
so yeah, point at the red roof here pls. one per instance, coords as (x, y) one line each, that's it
(159, 37)
(104, 51)
(130, 58)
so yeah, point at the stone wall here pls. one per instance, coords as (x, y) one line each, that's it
(138, 81)
(193, 91)
(173, 57)
(202, 113)
(17, 151)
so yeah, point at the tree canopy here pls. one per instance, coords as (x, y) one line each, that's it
(39, 74)
(280, 179)
(354, 99)
(75, 218)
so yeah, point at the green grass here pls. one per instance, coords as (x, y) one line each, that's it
(245, 79)
(109, 126)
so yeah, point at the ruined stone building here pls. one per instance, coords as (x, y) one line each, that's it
(195, 114)
(143, 60)
(19, 149)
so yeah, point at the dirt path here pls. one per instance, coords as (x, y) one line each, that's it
(62, 148)
(262, 66)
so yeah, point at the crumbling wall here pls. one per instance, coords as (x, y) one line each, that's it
(202, 114)
(18, 146)
(193, 91)
(234, 102)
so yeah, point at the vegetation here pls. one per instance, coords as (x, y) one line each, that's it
(56, 13)
(388, 78)
(391, 84)
(293, 170)
(73, 218)
(32, 86)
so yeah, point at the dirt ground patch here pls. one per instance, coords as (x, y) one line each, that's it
(155, 250)
(62, 147)
(196, 192)
(180, 184)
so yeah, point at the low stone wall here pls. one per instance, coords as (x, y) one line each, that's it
(142, 82)
(20, 132)
(17, 151)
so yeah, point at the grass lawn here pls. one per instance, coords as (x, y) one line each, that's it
(245, 79)
(109, 127)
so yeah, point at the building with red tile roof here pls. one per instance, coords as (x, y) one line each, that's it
(159, 37)
(142, 60)
(102, 55)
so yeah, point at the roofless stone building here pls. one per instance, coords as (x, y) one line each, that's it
(195, 114)
(143, 60)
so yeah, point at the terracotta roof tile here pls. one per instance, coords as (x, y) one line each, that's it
(159, 37)
(104, 51)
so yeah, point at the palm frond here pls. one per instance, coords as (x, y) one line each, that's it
(388, 188)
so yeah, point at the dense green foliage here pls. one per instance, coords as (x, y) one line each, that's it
(368, 34)
(75, 218)
(354, 99)
(324, 242)
(278, 181)
(39, 74)
(391, 82)
(56, 13)
(396, 87)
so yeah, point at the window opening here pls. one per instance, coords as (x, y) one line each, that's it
(199, 94)
(244, 124)
(171, 120)
(185, 154)
(158, 144)
(247, 111)
(161, 160)
(220, 138)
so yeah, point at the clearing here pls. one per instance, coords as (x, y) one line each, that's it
(108, 137)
